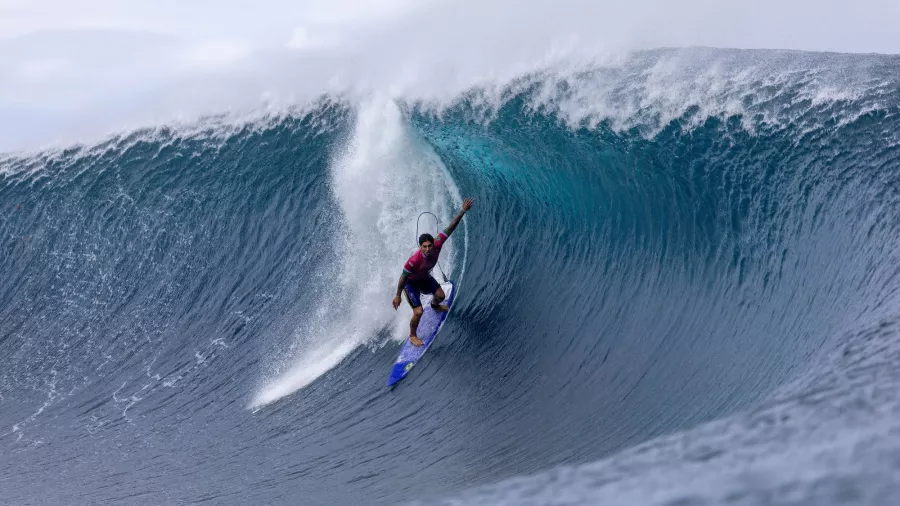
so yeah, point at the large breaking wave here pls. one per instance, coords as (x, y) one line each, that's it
(203, 312)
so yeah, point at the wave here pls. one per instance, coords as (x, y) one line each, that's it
(660, 248)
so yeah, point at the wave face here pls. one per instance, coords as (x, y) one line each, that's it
(680, 276)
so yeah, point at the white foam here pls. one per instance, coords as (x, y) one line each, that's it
(382, 180)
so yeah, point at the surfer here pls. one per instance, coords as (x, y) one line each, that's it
(416, 278)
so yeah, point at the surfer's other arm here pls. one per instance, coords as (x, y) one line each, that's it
(400, 286)
(467, 204)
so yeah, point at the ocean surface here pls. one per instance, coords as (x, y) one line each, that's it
(679, 285)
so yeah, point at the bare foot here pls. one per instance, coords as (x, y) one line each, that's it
(415, 341)
(440, 308)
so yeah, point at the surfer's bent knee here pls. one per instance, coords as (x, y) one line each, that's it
(417, 312)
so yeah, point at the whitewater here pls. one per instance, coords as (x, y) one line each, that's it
(679, 284)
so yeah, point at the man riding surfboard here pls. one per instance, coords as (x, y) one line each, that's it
(416, 278)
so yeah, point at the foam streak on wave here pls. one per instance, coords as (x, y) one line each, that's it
(382, 180)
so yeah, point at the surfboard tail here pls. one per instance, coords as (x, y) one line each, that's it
(399, 372)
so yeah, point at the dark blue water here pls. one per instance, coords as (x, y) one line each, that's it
(680, 275)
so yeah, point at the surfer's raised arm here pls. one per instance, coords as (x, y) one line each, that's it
(467, 204)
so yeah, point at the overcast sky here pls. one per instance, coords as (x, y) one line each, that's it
(62, 61)
(839, 25)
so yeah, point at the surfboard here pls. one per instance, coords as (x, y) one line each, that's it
(429, 326)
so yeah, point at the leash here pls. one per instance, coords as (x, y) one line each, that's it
(438, 226)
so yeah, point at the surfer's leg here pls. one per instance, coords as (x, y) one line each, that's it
(413, 296)
(439, 296)
(414, 325)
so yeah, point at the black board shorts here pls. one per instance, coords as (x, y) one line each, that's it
(415, 289)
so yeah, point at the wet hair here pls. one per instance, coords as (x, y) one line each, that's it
(426, 238)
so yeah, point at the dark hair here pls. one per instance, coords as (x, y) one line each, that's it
(426, 238)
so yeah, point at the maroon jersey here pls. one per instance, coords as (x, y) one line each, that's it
(419, 266)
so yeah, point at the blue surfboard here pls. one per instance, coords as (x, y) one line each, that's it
(428, 329)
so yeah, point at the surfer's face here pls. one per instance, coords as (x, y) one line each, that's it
(427, 247)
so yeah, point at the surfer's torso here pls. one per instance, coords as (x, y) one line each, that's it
(419, 266)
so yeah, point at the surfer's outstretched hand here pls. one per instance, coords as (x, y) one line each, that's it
(396, 302)
(467, 204)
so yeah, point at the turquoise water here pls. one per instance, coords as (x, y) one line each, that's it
(685, 285)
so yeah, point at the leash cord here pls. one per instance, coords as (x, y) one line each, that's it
(438, 224)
